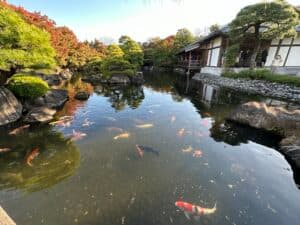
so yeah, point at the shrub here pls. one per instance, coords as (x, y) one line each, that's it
(93, 67)
(27, 87)
(231, 54)
(263, 74)
(113, 66)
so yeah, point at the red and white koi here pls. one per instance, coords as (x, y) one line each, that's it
(181, 132)
(87, 123)
(194, 211)
(77, 135)
(3, 150)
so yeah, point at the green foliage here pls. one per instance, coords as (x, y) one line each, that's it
(111, 66)
(26, 86)
(183, 38)
(214, 28)
(132, 51)
(264, 74)
(231, 54)
(114, 51)
(264, 21)
(93, 67)
(23, 45)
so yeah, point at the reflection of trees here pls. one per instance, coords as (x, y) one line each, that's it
(121, 96)
(58, 159)
(75, 85)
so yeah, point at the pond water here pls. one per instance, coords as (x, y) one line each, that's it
(195, 156)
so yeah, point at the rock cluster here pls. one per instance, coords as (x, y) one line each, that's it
(115, 79)
(275, 119)
(261, 87)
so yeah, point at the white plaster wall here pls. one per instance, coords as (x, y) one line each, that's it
(271, 56)
(287, 41)
(297, 41)
(283, 52)
(294, 57)
(208, 57)
(217, 42)
(212, 70)
(215, 57)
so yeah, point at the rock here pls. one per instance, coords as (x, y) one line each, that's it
(273, 118)
(40, 115)
(52, 80)
(82, 95)
(138, 79)
(54, 98)
(94, 79)
(119, 79)
(10, 107)
(290, 146)
(66, 74)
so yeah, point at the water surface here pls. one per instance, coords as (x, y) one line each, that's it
(99, 180)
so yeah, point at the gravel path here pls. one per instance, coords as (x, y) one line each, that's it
(261, 87)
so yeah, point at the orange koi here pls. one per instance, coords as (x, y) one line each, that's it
(19, 130)
(31, 156)
(181, 132)
(194, 210)
(197, 154)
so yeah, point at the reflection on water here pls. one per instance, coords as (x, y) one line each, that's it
(58, 159)
(128, 154)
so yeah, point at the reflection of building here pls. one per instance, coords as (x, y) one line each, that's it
(207, 94)
(208, 53)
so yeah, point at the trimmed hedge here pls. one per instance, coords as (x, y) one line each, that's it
(27, 86)
(266, 75)
(113, 66)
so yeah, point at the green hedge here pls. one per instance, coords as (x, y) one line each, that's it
(113, 66)
(263, 74)
(27, 86)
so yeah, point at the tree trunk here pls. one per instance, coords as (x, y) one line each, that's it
(257, 47)
(254, 55)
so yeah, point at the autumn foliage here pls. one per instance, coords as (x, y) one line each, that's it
(69, 51)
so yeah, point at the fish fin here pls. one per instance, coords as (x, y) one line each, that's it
(197, 218)
(187, 215)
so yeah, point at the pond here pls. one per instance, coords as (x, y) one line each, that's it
(128, 154)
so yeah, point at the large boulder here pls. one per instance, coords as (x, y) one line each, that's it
(290, 146)
(94, 78)
(82, 95)
(138, 79)
(119, 79)
(10, 107)
(40, 115)
(271, 118)
(54, 98)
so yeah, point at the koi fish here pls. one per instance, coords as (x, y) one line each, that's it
(173, 119)
(62, 123)
(197, 154)
(187, 150)
(115, 129)
(123, 135)
(3, 150)
(77, 135)
(207, 114)
(143, 149)
(110, 118)
(180, 133)
(31, 156)
(18, 130)
(145, 126)
(194, 210)
(87, 123)
(139, 151)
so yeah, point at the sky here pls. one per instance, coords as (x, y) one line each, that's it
(140, 19)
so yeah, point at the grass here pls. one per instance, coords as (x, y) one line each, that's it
(266, 75)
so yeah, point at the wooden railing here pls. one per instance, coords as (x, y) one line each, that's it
(191, 64)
